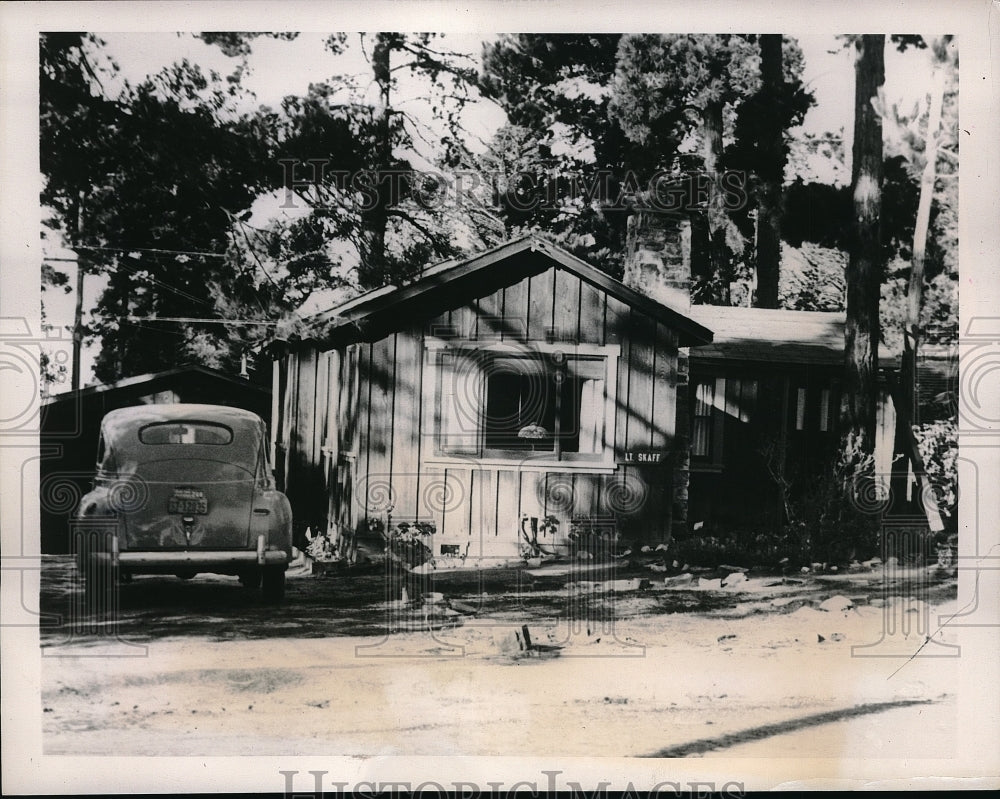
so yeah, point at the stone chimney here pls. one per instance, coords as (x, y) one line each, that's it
(658, 257)
(658, 265)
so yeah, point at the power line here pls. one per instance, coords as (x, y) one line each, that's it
(147, 249)
(198, 320)
(135, 270)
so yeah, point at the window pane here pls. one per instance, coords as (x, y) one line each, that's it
(459, 400)
(748, 400)
(520, 406)
(800, 410)
(704, 397)
(824, 409)
(591, 416)
(185, 433)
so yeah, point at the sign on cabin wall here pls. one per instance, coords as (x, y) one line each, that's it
(647, 457)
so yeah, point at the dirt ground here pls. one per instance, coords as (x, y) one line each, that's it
(637, 665)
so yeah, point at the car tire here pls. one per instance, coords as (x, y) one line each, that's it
(100, 589)
(273, 584)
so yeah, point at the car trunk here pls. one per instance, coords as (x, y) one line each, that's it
(191, 503)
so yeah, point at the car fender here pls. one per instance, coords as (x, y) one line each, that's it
(95, 523)
(276, 524)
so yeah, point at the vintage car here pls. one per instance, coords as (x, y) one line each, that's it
(182, 489)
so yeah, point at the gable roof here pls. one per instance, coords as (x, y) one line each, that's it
(775, 336)
(382, 309)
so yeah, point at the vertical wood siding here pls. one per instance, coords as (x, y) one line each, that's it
(370, 406)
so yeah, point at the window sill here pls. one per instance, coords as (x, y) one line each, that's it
(525, 465)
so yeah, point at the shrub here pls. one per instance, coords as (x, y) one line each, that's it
(938, 445)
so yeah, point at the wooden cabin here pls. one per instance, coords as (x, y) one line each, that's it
(523, 389)
(765, 406)
(518, 392)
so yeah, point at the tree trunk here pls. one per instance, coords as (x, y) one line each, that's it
(905, 396)
(373, 272)
(717, 262)
(772, 172)
(865, 262)
(81, 267)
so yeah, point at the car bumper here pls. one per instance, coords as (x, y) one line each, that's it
(170, 562)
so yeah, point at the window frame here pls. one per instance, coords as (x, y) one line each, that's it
(602, 461)
(714, 460)
(181, 422)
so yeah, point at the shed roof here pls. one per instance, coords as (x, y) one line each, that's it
(158, 381)
(764, 335)
(383, 309)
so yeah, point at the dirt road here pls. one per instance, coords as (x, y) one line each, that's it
(651, 671)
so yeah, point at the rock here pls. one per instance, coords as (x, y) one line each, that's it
(659, 568)
(680, 579)
(914, 606)
(462, 607)
(647, 548)
(734, 579)
(836, 604)
(833, 569)
(508, 641)
(820, 638)
(661, 547)
(816, 566)
(892, 562)
(704, 582)
(805, 570)
(783, 601)
(874, 563)
(634, 584)
(676, 564)
(837, 637)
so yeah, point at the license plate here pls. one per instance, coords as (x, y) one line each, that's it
(187, 501)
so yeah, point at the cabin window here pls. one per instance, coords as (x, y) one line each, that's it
(800, 409)
(537, 402)
(719, 403)
(701, 439)
(813, 409)
(824, 410)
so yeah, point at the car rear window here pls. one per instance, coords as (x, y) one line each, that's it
(185, 433)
